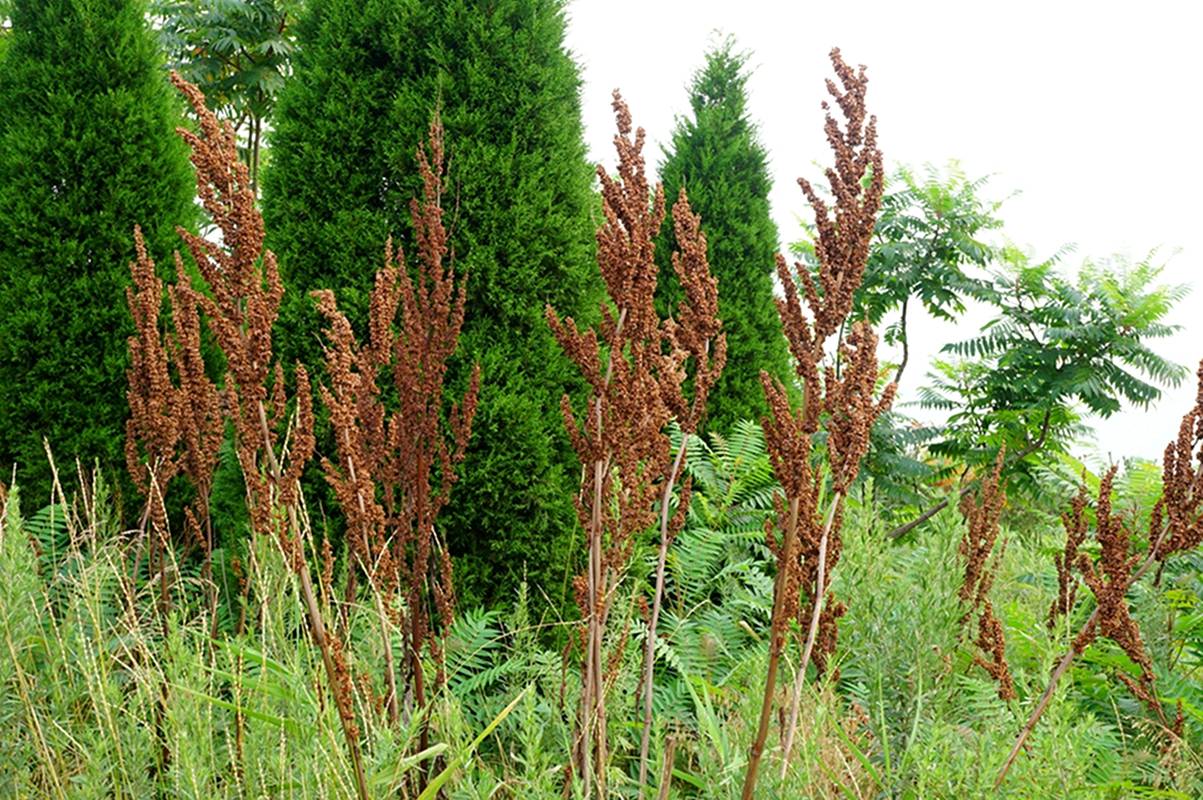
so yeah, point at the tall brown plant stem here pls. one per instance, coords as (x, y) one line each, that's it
(791, 725)
(844, 403)
(776, 645)
(636, 365)
(593, 703)
(649, 652)
(313, 612)
(1155, 555)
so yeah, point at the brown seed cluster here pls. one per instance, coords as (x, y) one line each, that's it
(240, 307)
(175, 426)
(982, 516)
(805, 539)
(846, 404)
(1075, 524)
(844, 233)
(1109, 580)
(152, 430)
(637, 367)
(1181, 504)
(1174, 526)
(395, 468)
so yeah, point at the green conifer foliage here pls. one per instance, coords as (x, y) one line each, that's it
(88, 149)
(716, 157)
(368, 77)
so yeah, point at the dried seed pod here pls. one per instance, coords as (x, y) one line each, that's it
(982, 517)
(637, 367)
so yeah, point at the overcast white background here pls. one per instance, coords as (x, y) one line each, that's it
(1090, 110)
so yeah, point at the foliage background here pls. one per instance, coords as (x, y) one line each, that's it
(368, 79)
(88, 150)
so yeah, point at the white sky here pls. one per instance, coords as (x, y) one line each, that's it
(1092, 110)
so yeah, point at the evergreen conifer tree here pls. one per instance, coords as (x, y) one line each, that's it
(716, 157)
(367, 78)
(88, 149)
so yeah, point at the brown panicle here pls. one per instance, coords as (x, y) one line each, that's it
(175, 427)
(396, 466)
(1109, 580)
(809, 543)
(421, 464)
(241, 305)
(695, 336)
(981, 532)
(1074, 522)
(637, 367)
(842, 245)
(1182, 478)
(851, 406)
(152, 431)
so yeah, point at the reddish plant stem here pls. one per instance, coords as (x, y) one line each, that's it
(791, 726)
(597, 703)
(776, 644)
(649, 655)
(594, 703)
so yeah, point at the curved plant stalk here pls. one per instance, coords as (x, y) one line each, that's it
(791, 726)
(649, 653)
(776, 645)
(1154, 556)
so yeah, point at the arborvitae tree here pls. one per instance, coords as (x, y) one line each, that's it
(368, 77)
(88, 149)
(716, 157)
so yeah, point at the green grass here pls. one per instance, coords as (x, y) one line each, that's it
(85, 665)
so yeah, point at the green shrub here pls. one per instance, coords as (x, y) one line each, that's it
(87, 150)
(716, 156)
(367, 79)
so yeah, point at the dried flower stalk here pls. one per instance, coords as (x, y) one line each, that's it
(395, 470)
(690, 341)
(1074, 522)
(242, 304)
(1109, 581)
(809, 544)
(622, 438)
(152, 430)
(1175, 525)
(175, 426)
(981, 532)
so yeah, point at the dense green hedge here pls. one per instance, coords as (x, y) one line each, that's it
(715, 155)
(87, 150)
(367, 78)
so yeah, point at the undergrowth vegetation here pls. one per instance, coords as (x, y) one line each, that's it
(909, 716)
(751, 620)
